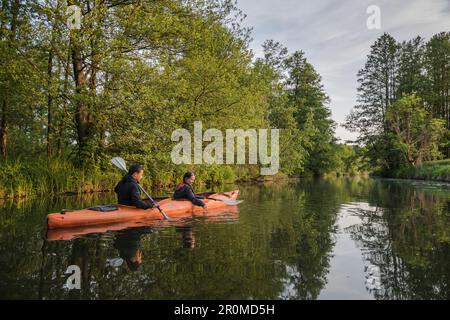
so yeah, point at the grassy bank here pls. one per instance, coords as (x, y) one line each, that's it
(25, 178)
(433, 170)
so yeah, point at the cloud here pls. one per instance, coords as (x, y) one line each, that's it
(335, 38)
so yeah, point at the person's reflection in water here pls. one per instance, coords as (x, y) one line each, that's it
(128, 243)
(187, 235)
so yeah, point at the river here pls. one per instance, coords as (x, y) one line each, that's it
(346, 238)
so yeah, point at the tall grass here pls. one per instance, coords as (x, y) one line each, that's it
(26, 178)
(432, 170)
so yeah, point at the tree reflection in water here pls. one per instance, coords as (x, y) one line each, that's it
(280, 246)
(405, 239)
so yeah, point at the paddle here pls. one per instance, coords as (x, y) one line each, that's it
(226, 201)
(120, 163)
(229, 202)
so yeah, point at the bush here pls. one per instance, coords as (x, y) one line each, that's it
(432, 170)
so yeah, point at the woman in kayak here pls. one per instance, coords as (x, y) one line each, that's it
(185, 190)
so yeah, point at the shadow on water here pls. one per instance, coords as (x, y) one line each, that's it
(313, 239)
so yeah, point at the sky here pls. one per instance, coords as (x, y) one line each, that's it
(335, 37)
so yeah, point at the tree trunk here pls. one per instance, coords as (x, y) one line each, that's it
(4, 102)
(50, 82)
(2, 19)
(82, 114)
(61, 123)
(3, 130)
(49, 102)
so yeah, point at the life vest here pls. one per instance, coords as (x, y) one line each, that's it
(182, 185)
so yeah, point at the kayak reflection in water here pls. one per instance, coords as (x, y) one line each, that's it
(185, 191)
(187, 236)
(128, 243)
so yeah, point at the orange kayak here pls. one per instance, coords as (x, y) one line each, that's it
(228, 213)
(173, 208)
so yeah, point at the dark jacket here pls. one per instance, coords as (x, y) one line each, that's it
(185, 191)
(129, 194)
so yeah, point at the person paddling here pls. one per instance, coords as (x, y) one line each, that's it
(185, 191)
(128, 192)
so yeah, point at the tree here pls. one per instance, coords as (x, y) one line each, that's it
(392, 70)
(416, 135)
(437, 66)
(306, 94)
(411, 75)
(137, 70)
(281, 115)
(378, 88)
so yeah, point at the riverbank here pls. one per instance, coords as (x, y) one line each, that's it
(432, 171)
(23, 179)
(26, 179)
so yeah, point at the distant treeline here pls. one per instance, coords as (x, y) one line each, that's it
(134, 72)
(403, 110)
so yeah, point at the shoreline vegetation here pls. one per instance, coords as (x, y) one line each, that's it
(438, 171)
(120, 85)
(22, 180)
(74, 98)
(402, 115)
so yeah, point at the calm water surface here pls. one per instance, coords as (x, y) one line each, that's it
(312, 239)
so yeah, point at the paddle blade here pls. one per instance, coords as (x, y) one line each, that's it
(233, 202)
(119, 163)
(227, 201)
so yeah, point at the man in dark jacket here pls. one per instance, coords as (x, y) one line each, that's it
(185, 191)
(128, 192)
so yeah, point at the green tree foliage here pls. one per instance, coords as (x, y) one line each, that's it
(349, 160)
(299, 104)
(281, 114)
(137, 70)
(417, 69)
(437, 66)
(416, 134)
(306, 94)
(377, 90)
